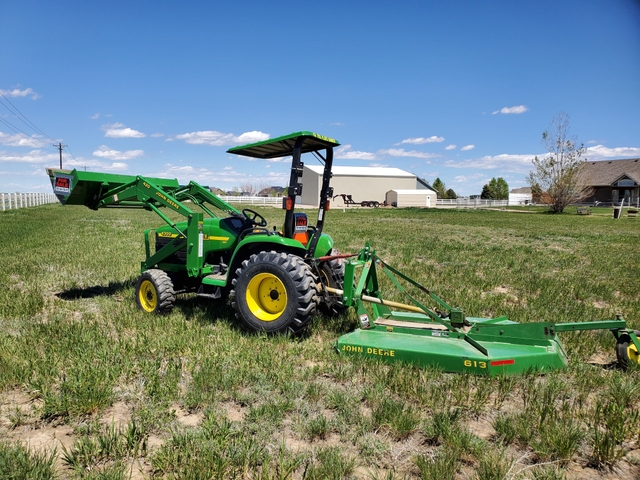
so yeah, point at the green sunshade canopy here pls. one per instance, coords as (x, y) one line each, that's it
(283, 146)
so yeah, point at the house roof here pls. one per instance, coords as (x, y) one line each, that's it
(523, 190)
(608, 171)
(340, 171)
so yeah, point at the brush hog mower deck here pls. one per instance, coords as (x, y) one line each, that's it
(444, 337)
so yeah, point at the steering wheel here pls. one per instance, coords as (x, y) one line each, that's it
(254, 217)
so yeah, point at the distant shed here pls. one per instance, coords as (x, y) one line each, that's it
(411, 198)
(520, 196)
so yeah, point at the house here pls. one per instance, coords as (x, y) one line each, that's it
(271, 192)
(362, 183)
(611, 181)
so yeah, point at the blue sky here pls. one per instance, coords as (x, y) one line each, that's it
(460, 90)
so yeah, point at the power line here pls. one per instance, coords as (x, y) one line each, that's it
(23, 134)
(22, 117)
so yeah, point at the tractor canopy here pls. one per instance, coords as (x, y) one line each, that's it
(283, 146)
(296, 144)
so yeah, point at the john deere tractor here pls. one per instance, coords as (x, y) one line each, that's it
(273, 277)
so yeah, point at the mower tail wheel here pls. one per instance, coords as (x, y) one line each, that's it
(274, 292)
(626, 351)
(332, 273)
(154, 292)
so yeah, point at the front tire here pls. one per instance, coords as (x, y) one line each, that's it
(275, 293)
(154, 292)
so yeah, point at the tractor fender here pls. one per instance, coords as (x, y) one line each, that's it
(324, 246)
(260, 243)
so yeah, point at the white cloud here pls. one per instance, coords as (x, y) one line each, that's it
(344, 152)
(422, 140)
(504, 162)
(17, 140)
(224, 177)
(97, 165)
(466, 148)
(337, 124)
(477, 178)
(450, 147)
(16, 92)
(95, 116)
(512, 110)
(118, 130)
(601, 152)
(111, 154)
(218, 139)
(157, 135)
(377, 165)
(34, 156)
(401, 152)
(252, 137)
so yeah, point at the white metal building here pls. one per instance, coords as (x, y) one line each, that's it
(520, 196)
(411, 198)
(362, 183)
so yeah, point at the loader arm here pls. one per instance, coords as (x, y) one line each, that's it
(105, 190)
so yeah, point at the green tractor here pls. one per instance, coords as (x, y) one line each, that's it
(273, 278)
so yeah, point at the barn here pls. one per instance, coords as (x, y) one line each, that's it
(411, 198)
(362, 183)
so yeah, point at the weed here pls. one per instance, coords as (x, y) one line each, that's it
(73, 337)
(513, 427)
(493, 465)
(558, 440)
(16, 416)
(400, 417)
(329, 463)
(317, 427)
(17, 462)
(443, 465)
(610, 426)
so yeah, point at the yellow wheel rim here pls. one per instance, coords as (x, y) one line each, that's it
(266, 297)
(148, 296)
(632, 353)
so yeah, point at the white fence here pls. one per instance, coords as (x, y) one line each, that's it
(11, 201)
(251, 200)
(471, 202)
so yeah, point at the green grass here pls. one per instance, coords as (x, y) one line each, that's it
(199, 398)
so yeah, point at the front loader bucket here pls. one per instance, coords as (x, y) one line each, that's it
(77, 187)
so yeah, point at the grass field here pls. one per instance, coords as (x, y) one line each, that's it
(92, 387)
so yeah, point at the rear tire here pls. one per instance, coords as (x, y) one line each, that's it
(154, 292)
(274, 293)
(626, 351)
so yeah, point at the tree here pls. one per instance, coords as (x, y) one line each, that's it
(496, 189)
(556, 176)
(439, 187)
(487, 192)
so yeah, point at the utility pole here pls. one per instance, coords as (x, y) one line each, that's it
(60, 147)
